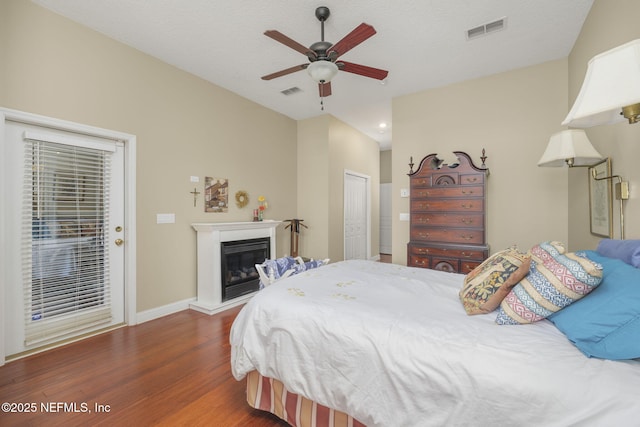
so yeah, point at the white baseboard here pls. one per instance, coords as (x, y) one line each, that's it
(165, 310)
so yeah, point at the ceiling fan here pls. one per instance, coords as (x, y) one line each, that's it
(323, 55)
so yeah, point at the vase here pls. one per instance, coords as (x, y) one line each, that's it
(260, 215)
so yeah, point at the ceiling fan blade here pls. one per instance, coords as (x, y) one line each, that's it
(285, 72)
(363, 70)
(351, 40)
(279, 37)
(324, 89)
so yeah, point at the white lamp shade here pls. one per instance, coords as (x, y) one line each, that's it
(612, 82)
(569, 144)
(322, 71)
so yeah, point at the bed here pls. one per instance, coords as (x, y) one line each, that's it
(365, 343)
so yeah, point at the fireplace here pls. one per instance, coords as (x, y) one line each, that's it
(238, 259)
(213, 239)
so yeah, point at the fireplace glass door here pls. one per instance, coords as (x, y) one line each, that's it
(238, 258)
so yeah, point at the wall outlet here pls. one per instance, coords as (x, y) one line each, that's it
(404, 217)
(195, 179)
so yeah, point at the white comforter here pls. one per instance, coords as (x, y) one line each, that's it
(392, 346)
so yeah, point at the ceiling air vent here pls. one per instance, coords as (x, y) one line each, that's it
(291, 91)
(488, 28)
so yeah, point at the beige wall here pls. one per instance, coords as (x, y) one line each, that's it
(353, 151)
(511, 115)
(386, 176)
(184, 126)
(328, 144)
(609, 24)
(313, 186)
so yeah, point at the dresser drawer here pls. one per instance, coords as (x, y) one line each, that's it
(444, 205)
(464, 254)
(454, 235)
(472, 179)
(417, 261)
(445, 264)
(472, 220)
(457, 191)
(467, 267)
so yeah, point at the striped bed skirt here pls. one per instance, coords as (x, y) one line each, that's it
(269, 395)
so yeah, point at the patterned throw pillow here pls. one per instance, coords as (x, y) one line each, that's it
(487, 285)
(555, 280)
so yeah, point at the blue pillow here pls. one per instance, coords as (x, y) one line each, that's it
(606, 323)
(626, 250)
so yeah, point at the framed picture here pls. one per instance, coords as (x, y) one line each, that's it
(216, 194)
(600, 204)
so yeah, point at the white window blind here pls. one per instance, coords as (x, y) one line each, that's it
(65, 222)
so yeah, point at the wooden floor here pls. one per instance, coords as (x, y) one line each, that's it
(170, 371)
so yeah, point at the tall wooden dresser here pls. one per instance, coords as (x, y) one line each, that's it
(448, 214)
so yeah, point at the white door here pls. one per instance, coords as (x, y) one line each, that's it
(356, 216)
(64, 235)
(385, 218)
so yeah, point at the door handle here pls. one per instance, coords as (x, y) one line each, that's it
(119, 242)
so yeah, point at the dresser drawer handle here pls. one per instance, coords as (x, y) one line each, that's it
(467, 221)
(424, 220)
(424, 205)
(465, 237)
(467, 192)
(466, 255)
(474, 179)
(419, 262)
(467, 206)
(423, 234)
(423, 251)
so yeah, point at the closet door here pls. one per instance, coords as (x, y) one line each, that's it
(356, 216)
(66, 218)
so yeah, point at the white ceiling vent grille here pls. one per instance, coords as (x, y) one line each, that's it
(291, 91)
(488, 28)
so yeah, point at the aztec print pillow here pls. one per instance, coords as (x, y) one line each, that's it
(487, 285)
(555, 280)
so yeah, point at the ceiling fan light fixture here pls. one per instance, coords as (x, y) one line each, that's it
(322, 71)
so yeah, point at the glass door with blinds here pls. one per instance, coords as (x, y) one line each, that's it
(71, 236)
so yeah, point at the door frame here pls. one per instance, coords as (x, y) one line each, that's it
(367, 179)
(129, 203)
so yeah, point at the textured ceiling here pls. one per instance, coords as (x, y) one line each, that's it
(422, 43)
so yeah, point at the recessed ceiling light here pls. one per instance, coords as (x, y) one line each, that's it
(382, 125)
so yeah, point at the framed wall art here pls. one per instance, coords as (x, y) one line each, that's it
(216, 197)
(600, 204)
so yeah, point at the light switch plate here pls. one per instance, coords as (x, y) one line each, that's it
(166, 218)
(404, 192)
(404, 217)
(195, 179)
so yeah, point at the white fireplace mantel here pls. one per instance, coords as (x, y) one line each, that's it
(209, 237)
